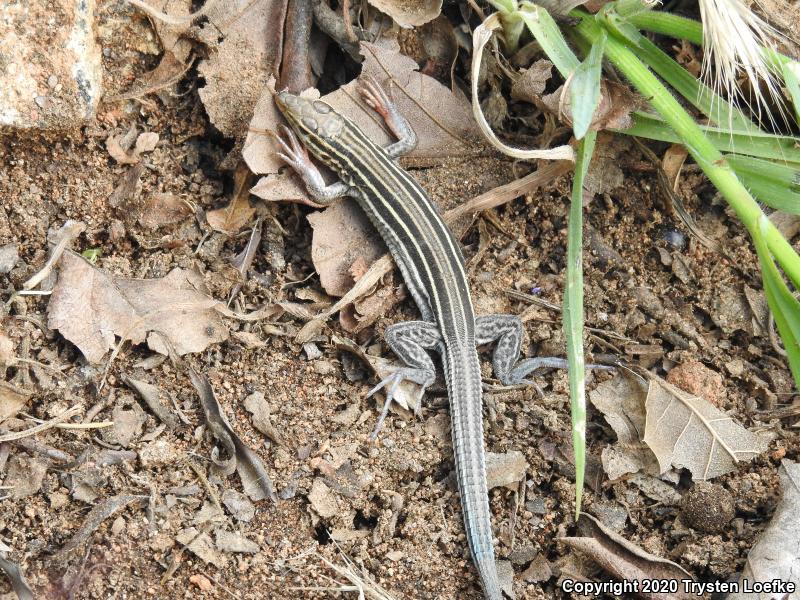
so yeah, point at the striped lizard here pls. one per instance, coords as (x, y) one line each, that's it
(432, 266)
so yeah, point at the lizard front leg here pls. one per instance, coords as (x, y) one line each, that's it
(296, 156)
(411, 341)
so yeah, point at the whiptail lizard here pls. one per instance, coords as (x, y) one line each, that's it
(433, 269)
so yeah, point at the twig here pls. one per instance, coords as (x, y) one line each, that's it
(18, 435)
(68, 232)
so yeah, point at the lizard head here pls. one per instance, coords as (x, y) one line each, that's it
(311, 119)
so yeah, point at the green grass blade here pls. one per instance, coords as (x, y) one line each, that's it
(791, 77)
(761, 145)
(774, 183)
(546, 31)
(573, 314)
(585, 88)
(784, 306)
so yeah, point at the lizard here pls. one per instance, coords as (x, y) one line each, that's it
(432, 266)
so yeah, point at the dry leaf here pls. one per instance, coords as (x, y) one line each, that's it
(343, 235)
(161, 210)
(239, 65)
(12, 400)
(505, 469)
(626, 561)
(441, 118)
(530, 85)
(94, 519)
(617, 102)
(18, 583)
(146, 142)
(621, 400)
(279, 188)
(689, 432)
(239, 212)
(152, 397)
(89, 307)
(409, 13)
(255, 479)
(776, 553)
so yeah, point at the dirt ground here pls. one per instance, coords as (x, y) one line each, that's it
(654, 297)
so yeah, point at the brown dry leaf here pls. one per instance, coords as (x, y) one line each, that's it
(409, 13)
(279, 188)
(255, 479)
(161, 210)
(369, 308)
(441, 118)
(151, 396)
(90, 307)
(239, 65)
(238, 212)
(12, 400)
(621, 400)
(776, 553)
(530, 85)
(687, 431)
(617, 102)
(672, 163)
(342, 237)
(624, 560)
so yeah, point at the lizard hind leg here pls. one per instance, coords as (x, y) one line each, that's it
(507, 331)
(411, 341)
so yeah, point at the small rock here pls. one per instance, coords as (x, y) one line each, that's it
(9, 257)
(348, 416)
(395, 555)
(539, 570)
(52, 81)
(312, 351)
(118, 526)
(201, 581)
(239, 505)
(505, 574)
(158, 454)
(522, 554)
(323, 500)
(228, 541)
(506, 469)
(648, 302)
(708, 507)
(696, 378)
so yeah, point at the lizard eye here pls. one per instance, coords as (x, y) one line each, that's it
(309, 123)
(321, 107)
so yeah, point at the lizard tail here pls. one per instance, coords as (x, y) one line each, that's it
(466, 415)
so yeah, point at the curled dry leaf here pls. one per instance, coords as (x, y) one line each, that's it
(255, 479)
(625, 560)
(530, 85)
(146, 142)
(18, 583)
(776, 553)
(409, 13)
(687, 431)
(90, 307)
(151, 396)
